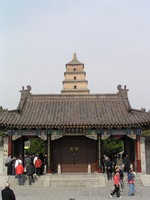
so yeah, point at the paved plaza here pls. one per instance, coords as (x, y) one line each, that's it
(78, 193)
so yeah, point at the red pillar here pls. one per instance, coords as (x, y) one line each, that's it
(9, 144)
(138, 153)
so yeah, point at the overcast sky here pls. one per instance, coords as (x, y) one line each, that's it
(111, 37)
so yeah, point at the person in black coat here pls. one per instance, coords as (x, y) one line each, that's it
(7, 193)
(109, 169)
(30, 171)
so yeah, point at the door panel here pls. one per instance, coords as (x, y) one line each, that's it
(75, 154)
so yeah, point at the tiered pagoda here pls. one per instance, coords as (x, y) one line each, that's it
(75, 82)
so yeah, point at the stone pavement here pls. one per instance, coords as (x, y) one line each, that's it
(78, 193)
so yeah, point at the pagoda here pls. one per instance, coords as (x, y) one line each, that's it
(75, 82)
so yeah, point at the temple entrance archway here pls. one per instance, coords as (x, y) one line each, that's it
(119, 145)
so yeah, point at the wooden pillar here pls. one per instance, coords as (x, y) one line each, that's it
(99, 154)
(125, 144)
(138, 150)
(48, 153)
(9, 144)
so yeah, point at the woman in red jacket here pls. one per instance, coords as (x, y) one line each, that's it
(38, 164)
(116, 184)
(19, 173)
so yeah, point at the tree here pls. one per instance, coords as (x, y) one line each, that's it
(1, 132)
(1, 108)
(112, 146)
(37, 146)
(146, 133)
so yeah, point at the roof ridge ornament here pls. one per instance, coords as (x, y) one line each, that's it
(124, 93)
(24, 94)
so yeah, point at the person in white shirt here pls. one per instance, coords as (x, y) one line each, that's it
(18, 160)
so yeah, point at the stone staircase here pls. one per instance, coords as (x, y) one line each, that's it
(77, 180)
(39, 181)
(68, 180)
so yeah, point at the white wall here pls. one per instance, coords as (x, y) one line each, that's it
(3, 156)
(143, 155)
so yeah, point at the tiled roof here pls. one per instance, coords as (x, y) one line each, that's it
(98, 110)
(74, 62)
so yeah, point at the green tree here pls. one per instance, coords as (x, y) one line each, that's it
(112, 146)
(146, 133)
(37, 146)
(1, 131)
(1, 108)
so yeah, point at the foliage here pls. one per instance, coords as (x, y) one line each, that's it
(1, 108)
(146, 133)
(37, 146)
(1, 132)
(112, 146)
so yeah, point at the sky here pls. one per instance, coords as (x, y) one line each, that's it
(111, 38)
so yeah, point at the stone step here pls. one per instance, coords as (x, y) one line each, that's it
(76, 175)
(74, 180)
(14, 181)
(68, 180)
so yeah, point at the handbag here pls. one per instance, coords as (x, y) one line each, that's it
(6, 164)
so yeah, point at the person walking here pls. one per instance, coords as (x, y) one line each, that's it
(126, 163)
(38, 164)
(27, 161)
(8, 165)
(116, 184)
(109, 169)
(35, 158)
(19, 173)
(13, 165)
(30, 171)
(7, 193)
(119, 161)
(18, 160)
(121, 172)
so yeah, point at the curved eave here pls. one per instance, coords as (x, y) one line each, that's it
(74, 62)
(75, 81)
(74, 72)
(94, 126)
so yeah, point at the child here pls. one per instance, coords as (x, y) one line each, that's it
(131, 176)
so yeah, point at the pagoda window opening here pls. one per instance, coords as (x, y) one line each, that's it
(75, 87)
(74, 69)
(75, 77)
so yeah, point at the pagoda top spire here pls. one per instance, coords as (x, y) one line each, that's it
(74, 60)
(74, 56)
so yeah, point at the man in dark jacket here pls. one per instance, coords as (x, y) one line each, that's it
(7, 193)
(30, 171)
(109, 169)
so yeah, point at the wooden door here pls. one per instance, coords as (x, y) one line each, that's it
(75, 153)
